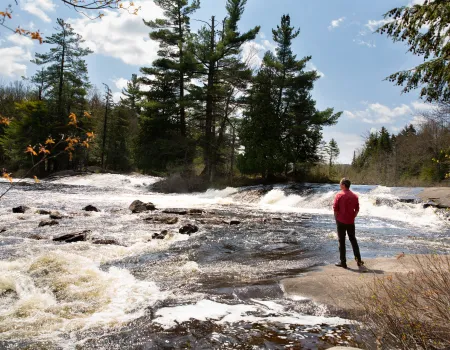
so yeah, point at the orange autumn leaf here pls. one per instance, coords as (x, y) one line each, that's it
(31, 150)
(87, 115)
(90, 134)
(73, 119)
(4, 120)
(8, 177)
(49, 141)
(36, 179)
(85, 144)
(42, 149)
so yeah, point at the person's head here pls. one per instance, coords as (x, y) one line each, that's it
(345, 184)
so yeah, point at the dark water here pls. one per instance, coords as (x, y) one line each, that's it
(218, 289)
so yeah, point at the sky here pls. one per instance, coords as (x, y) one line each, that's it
(352, 60)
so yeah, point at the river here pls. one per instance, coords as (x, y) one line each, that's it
(217, 288)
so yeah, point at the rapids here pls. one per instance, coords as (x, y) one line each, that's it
(216, 288)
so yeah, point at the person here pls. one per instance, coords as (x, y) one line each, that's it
(346, 208)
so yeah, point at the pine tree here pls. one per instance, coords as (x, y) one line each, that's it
(64, 80)
(216, 50)
(333, 152)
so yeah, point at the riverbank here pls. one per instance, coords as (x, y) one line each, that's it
(333, 285)
(440, 196)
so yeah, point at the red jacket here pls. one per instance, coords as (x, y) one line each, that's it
(346, 206)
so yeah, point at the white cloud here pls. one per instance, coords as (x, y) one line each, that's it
(21, 40)
(252, 53)
(376, 113)
(347, 143)
(39, 8)
(13, 59)
(373, 25)
(120, 83)
(336, 23)
(417, 120)
(122, 35)
(269, 45)
(422, 106)
(369, 44)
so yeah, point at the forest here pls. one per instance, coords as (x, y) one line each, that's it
(202, 110)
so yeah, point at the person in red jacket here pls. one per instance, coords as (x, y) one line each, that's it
(346, 208)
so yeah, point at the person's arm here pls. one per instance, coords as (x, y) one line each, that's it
(357, 207)
(336, 206)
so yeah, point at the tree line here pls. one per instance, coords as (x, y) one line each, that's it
(199, 109)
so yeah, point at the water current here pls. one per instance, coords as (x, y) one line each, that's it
(218, 288)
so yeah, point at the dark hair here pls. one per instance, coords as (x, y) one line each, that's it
(346, 182)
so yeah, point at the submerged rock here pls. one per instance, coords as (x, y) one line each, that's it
(90, 208)
(48, 223)
(55, 215)
(175, 211)
(196, 211)
(168, 220)
(160, 235)
(105, 242)
(42, 212)
(22, 209)
(139, 207)
(36, 237)
(72, 237)
(3, 229)
(188, 229)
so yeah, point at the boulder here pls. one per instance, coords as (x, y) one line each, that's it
(160, 235)
(55, 215)
(139, 207)
(3, 229)
(188, 229)
(105, 242)
(22, 209)
(234, 222)
(42, 212)
(48, 223)
(90, 208)
(73, 237)
(175, 211)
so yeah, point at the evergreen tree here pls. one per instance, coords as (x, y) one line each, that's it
(333, 152)
(64, 80)
(297, 122)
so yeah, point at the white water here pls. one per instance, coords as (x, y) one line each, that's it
(47, 289)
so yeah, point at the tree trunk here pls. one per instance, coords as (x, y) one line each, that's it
(209, 107)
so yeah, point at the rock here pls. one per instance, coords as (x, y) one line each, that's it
(196, 212)
(73, 237)
(138, 207)
(3, 229)
(36, 237)
(188, 229)
(169, 220)
(55, 215)
(175, 211)
(386, 201)
(234, 222)
(48, 223)
(90, 208)
(42, 212)
(105, 242)
(160, 235)
(20, 209)
(94, 169)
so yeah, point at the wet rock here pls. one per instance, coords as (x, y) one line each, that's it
(73, 237)
(160, 235)
(48, 223)
(175, 211)
(36, 237)
(386, 201)
(430, 204)
(139, 207)
(55, 215)
(3, 229)
(196, 211)
(105, 242)
(169, 220)
(272, 220)
(90, 208)
(235, 222)
(188, 229)
(22, 209)
(42, 212)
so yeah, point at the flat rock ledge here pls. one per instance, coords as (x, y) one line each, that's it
(331, 285)
(438, 195)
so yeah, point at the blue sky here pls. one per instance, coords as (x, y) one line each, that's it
(338, 34)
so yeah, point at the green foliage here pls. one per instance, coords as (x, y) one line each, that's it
(425, 28)
(282, 125)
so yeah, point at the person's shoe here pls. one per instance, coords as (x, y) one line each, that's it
(343, 265)
(360, 263)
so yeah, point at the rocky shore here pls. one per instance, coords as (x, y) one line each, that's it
(436, 196)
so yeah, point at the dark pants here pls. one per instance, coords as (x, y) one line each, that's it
(342, 229)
